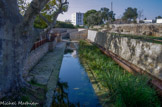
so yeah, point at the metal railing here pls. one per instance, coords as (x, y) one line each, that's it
(42, 42)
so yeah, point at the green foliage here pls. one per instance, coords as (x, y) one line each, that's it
(87, 14)
(93, 17)
(40, 23)
(125, 89)
(158, 17)
(23, 5)
(33, 82)
(25, 98)
(60, 24)
(48, 12)
(107, 15)
(49, 8)
(147, 38)
(130, 14)
(77, 26)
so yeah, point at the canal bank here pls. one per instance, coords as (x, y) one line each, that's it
(75, 86)
(46, 72)
(60, 69)
(123, 88)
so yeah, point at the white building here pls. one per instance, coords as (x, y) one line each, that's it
(159, 21)
(77, 18)
(147, 21)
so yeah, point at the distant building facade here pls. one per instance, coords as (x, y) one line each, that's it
(77, 18)
(158, 20)
(147, 21)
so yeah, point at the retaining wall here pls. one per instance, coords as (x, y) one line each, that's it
(34, 57)
(150, 29)
(63, 30)
(80, 35)
(145, 55)
(137, 29)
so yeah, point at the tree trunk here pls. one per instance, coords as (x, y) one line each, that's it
(14, 47)
(17, 36)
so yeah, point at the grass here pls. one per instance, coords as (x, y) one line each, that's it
(151, 39)
(125, 89)
(34, 83)
(25, 98)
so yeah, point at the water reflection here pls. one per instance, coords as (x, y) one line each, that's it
(61, 96)
(74, 88)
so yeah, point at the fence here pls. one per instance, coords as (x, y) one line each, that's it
(41, 42)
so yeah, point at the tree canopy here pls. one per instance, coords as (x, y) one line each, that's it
(107, 15)
(130, 14)
(87, 14)
(158, 17)
(23, 5)
(60, 24)
(94, 17)
(45, 16)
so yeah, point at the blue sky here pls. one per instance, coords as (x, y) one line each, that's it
(151, 8)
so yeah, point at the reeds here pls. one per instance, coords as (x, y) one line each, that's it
(125, 89)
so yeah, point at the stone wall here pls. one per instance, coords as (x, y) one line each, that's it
(35, 56)
(65, 35)
(63, 30)
(80, 35)
(150, 29)
(145, 55)
(81, 29)
(137, 29)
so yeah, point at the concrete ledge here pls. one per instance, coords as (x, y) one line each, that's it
(53, 79)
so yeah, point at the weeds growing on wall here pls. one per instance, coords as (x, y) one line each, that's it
(151, 39)
(125, 89)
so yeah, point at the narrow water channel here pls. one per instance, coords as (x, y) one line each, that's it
(74, 87)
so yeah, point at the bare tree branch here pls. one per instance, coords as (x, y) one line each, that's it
(56, 14)
(33, 10)
(65, 3)
(58, 11)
